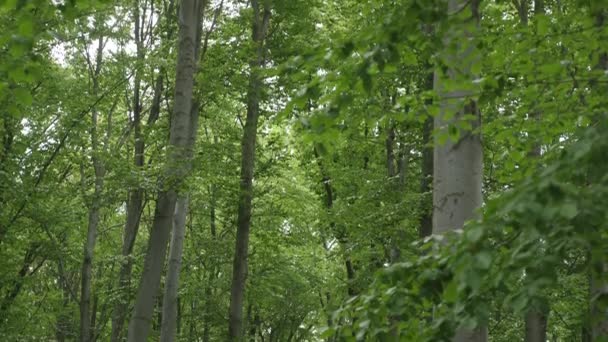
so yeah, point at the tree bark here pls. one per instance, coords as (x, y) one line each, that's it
(459, 161)
(261, 18)
(599, 307)
(176, 170)
(94, 209)
(170, 307)
(536, 326)
(136, 196)
(169, 320)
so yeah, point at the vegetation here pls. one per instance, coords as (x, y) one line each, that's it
(319, 170)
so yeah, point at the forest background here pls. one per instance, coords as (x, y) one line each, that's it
(319, 170)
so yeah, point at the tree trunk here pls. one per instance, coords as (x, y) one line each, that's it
(390, 153)
(599, 307)
(403, 164)
(176, 170)
(62, 327)
(239, 268)
(135, 199)
(94, 209)
(535, 320)
(426, 178)
(212, 269)
(459, 161)
(169, 321)
(14, 287)
(536, 326)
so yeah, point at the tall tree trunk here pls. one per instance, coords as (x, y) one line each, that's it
(536, 326)
(62, 327)
(459, 161)
(14, 287)
(176, 170)
(169, 320)
(212, 269)
(426, 177)
(390, 150)
(535, 320)
(170, 305)
(94, 313)
(136, 196)
(239, 269)
(339, 235)
(403, 164)
(94, 209)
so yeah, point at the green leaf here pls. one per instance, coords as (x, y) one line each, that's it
(569, 210)
(327, 332)
(23, 96)
(26, 26)
(450, 293)
(474, 233)
(483, 260)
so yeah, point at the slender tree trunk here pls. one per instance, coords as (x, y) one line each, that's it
(403, 164)
(170, 306)
(169, 321)
(63, 320)
(192, 324)
(16, 284)
(176, 170)
(426, 175)
(536, 318)
(94, 315)
(94, 209)
(135, 199)
(458, 162)
(212, 269)
(390, 150)
(536, 326)
(239, 269)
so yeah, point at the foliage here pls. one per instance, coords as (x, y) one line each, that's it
(335, 251)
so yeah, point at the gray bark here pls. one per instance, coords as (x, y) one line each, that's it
(598, 293)
(170, 307)
(536, 326)
(176, 170)
(458, 163)
(135, 199)
(261, 18)
(94, 209)
(169, 320)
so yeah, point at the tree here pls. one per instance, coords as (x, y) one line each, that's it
(95, 205)
(180, 143)
(458, 168)
(329, 188)
(259, 29)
